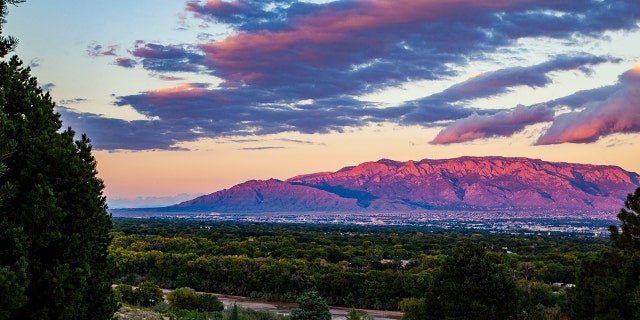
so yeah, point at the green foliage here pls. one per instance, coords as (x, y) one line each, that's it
(182, 298)
(124, 293)
(148, 294)
(207, 302)
(54, 225)
(608, 282)
(187, 299)
(278, 262)
(471, 284)
(353, 314)
(311, 306)
(414, 308)
(234, 313)
(629, 239)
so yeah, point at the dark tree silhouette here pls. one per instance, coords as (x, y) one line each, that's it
(53, 222)
(627, 238)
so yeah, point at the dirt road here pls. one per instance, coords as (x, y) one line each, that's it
(338, 313)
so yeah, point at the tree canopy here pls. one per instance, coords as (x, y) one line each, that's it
(471, 284)
(53, 221)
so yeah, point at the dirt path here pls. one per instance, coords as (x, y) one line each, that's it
(338, 313)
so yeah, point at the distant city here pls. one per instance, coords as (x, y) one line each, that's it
(540, 222)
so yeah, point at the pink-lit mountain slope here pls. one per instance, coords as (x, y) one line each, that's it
(477, 183)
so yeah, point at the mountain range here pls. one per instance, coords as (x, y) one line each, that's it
(466, 183)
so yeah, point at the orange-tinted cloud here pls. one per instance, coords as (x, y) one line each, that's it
(618, 113)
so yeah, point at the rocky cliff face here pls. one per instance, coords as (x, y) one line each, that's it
(480, 183)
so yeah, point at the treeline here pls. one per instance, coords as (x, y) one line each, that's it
(366, 267)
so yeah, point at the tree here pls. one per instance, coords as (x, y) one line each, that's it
(311, 306)
(124, 293)
(470, 284)
(608, 284)
(353, 314)
(54, 224)
(13, 264)
(208, 303)
(148, 294)
(7, 44)
(629, 239)
(183, 298)
(234, 313)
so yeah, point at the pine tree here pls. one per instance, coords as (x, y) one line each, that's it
(628, 237)
(53, 224)
(311, 306)
(608, 284)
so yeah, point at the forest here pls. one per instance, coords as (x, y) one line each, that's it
(373, 267)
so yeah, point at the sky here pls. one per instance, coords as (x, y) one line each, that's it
(183, 98)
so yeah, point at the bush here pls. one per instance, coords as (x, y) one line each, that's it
(148, 294)
(187, 299)
(124, 294)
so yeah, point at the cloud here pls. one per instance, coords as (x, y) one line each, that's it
(118, 134)
(536, 76)
(435, 107)
(285, 52)
(260, 148)
(34, 63)
(126, 62)
(72, 101)
(97, 50)
(47, 86)
(618, 113)
(503, 123)
(166, 58)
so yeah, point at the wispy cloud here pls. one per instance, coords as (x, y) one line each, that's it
(261, 148)
(96, 50)
(503, 123)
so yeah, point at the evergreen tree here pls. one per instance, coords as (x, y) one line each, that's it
(629, 239)
(608, 284)
(311, 306)
(53, 224)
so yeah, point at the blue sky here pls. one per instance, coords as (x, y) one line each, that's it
(189, 97)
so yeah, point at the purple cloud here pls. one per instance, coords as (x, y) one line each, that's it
(126, 62)
(618, 113)
(491, 84)
(503, 123)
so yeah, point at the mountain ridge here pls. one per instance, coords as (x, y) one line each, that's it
(464, 183)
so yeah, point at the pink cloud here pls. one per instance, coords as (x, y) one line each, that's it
(306, 38)
(503, 123)
(618, 113)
